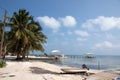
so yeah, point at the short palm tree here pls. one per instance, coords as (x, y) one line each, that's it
(25, 34)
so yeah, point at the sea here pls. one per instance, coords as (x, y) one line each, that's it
(100, 62)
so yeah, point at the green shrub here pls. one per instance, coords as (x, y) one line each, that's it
(2, 64)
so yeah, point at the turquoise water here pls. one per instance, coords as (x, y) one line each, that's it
(99, 62)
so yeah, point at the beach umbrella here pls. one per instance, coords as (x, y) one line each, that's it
(55, 51)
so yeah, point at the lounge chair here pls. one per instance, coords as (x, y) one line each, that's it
(74, 70)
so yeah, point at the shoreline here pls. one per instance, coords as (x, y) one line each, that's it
(60, 62)
(39, 70)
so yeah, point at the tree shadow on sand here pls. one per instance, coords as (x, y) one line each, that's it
(37, 70)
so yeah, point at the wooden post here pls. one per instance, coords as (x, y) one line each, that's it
(98, 65)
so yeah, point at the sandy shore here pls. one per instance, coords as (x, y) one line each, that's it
(37, 70)
(34, 71)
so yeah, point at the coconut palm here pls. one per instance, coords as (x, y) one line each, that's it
(0, 37)
(25, 34)
(1, 30)
(5, 39)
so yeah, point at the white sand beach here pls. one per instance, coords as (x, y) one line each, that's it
(37, 70)
(34, 71)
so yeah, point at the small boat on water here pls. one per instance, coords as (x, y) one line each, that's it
(89, 55)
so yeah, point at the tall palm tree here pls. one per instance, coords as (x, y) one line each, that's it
(1, 24)
(2, 38)
(25, 34)
(4, 41)
(3, 34)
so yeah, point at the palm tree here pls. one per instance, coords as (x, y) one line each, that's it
(0, 37)
(1, 24)
(3, 36)
(3, 33)
(25, 34)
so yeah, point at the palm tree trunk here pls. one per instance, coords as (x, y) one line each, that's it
(23, 55)
(0, 51)
(3, 34)
(18, 56)
(4, 53)
(17, 50)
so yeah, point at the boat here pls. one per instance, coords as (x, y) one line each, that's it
(74, 70)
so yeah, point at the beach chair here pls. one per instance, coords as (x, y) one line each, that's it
(74, 71)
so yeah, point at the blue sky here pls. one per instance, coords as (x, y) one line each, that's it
(75, 26)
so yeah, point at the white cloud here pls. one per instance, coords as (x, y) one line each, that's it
(68, 21)
(110, 36)
(62, 34)
(49, 22)
(81, 39)
(55, 24)
(69, 32)
(106, 47)
(105, 44)
(81, 33)
(105, 23)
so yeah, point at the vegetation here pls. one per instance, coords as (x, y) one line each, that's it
(5, 36)
(2, 64)
(25, 34)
